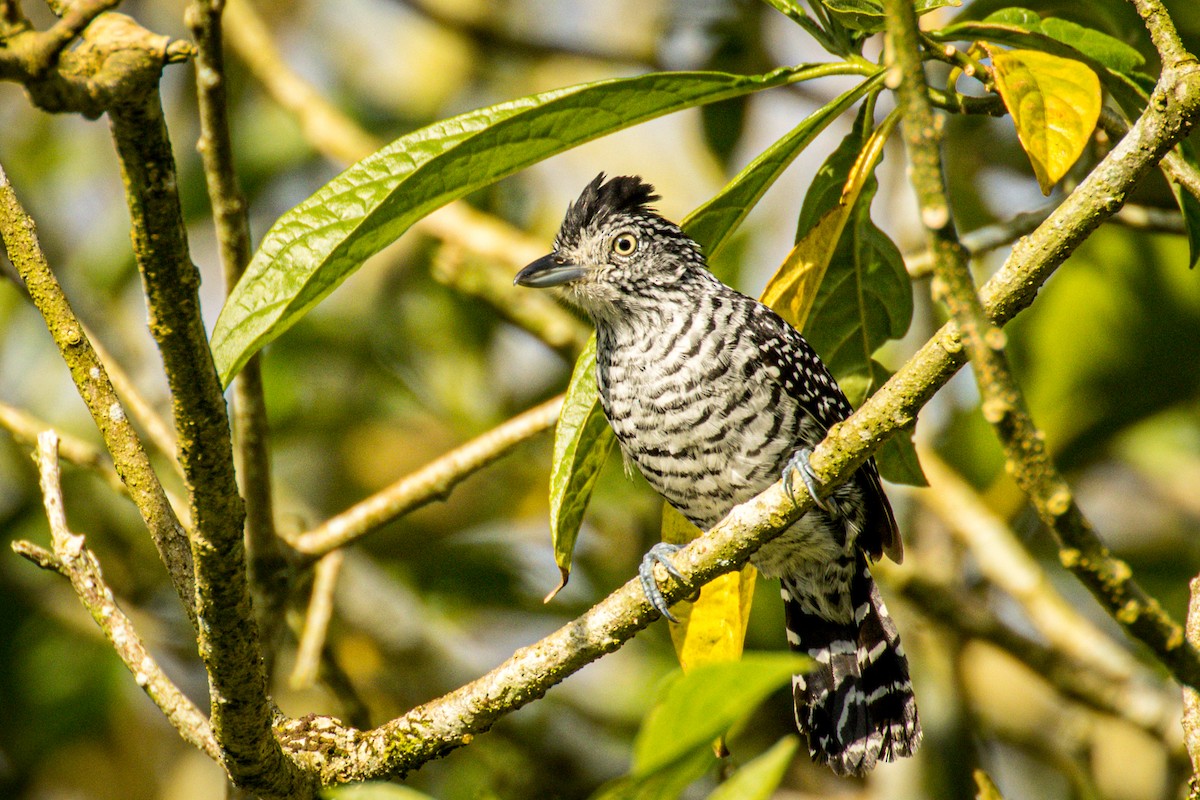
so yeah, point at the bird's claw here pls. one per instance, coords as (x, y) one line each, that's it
(658, 554)
(800, 463)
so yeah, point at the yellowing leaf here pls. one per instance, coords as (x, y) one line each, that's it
(1054, 102)
(793, 288)
(712, 627)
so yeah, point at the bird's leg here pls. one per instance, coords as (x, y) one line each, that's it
(658, 554)
(799, 463)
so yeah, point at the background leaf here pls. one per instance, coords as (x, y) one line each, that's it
(316, 245)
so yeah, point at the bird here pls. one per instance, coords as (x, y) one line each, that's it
(714, 397)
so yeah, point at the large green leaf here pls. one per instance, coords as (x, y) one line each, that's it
(582, 442)
(697, 707)
(865, 296)
(315, 246)
(715, 221)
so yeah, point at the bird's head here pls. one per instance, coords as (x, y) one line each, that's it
(613, 249)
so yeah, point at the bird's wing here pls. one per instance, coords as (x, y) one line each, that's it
(807, 380)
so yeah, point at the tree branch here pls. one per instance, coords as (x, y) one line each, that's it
(1003, 405)
(91, 379)
(229, 642)
(74, 561)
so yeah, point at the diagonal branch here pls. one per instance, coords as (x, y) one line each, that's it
(91, 379)
(1080, 549)
(74, 561)
(431, 482)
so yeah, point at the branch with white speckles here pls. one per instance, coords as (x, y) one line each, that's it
(71, 559)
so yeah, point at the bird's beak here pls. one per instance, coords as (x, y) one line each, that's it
(549, 271)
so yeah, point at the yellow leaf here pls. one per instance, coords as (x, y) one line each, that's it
(713, 626)
(793, 288)
(1054, 102)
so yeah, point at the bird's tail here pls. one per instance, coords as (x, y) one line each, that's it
(856, 705)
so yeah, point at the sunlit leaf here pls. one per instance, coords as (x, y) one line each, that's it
(316, 245)
(713, 626)
(715, 221)
(758, 779)
(1054, 102)
(697, 707)
(582, 442)
(792, 290)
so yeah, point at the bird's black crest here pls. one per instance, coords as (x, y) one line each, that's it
(624, 194)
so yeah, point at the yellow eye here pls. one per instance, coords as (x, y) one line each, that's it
(625, 244)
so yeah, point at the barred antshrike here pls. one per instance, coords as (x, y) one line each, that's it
(714, 397)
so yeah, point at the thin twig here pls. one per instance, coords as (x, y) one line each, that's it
(982, 240)
(268, 567)
(91, 379)
(316, 620)
(431, 482)
(1003, 405)
(1191, 697)
(51, 43)
(73, 560)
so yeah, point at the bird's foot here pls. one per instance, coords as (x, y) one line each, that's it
(658, 554)
(799, 463)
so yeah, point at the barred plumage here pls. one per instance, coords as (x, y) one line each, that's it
(712, 394)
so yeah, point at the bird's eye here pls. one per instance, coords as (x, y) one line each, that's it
(624, 244)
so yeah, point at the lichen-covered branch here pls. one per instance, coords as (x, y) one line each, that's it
(229, 643)
(431, 482)
(1081, 551)
(91, 379)
(74, 561)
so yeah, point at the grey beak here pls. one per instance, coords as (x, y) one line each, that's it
(548, 271)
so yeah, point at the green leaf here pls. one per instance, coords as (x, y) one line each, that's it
(1055, 104)
(315, 246)
(1105, 49)
(697, 707)
(665, 783)
(582, 442)
(759, 779)
(715, 221)
(867, 16)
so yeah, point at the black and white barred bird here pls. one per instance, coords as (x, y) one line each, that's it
(714, 397)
